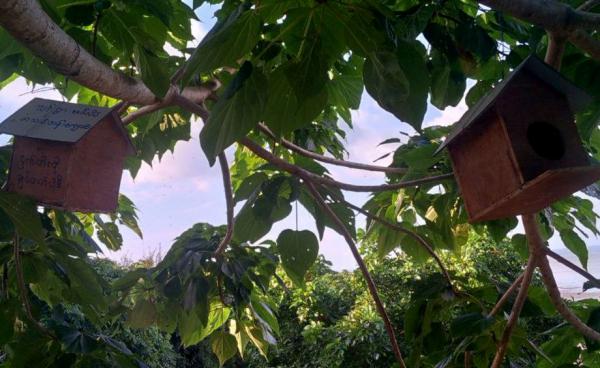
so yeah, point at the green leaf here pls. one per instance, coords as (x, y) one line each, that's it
(298, 251)
(109, 234)
(448, 83)
(284, 112)
(256, 336)
(264, 313)
(143, 314)
(519, 243)
(346, 91)
(197, 3)
(236, 113)
(226, 43)
(470, 324)
(576, 245)
(196, 293)
(76, 341)
(385, 80)
(308, 76)
(24, 215)
(192, 327)
(152, 67)
(130, 279)
(498, 229)
(249, 226)
(387, 240)
(81, 15)
(126, 214)
(398, 82)
(411, 59)
(224, 345)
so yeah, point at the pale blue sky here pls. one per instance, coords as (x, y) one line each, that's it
(182, 189)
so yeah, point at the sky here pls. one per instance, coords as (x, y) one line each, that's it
(181, 189)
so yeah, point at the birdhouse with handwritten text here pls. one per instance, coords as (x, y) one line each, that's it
(517, 150)
(68, 156)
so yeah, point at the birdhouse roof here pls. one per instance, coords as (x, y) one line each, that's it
(576, 97)
(57, 121)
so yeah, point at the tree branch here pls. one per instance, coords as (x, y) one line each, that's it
(535, 239)
(588, 5)
(551, 15)
(195, 94)
(362, 266)
(229, 200)
(556, 49)
(27, 22)
(296, 170)
(330, 160)
(594, 281)
(586, 43)
(517, 307)
(504, 298)
(410, 233)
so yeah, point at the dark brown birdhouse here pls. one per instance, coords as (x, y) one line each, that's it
(517, 150)
(66, 155)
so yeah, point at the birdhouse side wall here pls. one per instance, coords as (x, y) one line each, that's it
(541, 127)
(40, 169)
(484, 165)
(96, 169)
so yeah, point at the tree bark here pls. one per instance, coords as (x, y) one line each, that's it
(549, 14)
(27, 22)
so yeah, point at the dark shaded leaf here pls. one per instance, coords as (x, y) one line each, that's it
(298, 250)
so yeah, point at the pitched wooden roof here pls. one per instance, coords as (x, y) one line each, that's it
(577, 98)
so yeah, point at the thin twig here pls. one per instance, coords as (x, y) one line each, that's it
(408, 232)
(588, 5)
(330, 160)
(143, 111)
(96, 28)
(560, 259)
(584, 41)
(504, 298)
(229, 201)
(23, 288)
(362, 266)
(296, 170)
(468, 359)
(535, 239)
(517, 305)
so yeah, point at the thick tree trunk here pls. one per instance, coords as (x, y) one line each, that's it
(27, 22)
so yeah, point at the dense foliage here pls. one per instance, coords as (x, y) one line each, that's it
(299, 66)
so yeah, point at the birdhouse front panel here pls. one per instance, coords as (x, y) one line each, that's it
(39, 169)
(481, 182)
(96, 170)
(517, 150)
(67, 155)
(540, 126)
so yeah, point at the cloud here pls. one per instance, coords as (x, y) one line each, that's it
(448, 116)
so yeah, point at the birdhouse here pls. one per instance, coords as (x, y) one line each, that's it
(517, 150)
(68, 156)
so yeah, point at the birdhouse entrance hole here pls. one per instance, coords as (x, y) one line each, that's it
(546, 140)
